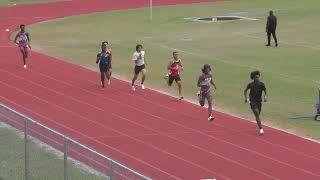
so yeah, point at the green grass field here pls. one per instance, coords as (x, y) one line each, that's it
(44, 164)
(233, 48)
(18, 2)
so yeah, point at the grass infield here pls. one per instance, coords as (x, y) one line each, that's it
(44, 162)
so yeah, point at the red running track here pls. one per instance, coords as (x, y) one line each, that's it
(143, 130)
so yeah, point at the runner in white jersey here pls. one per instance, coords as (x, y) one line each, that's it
(23, 41)
(139, 60)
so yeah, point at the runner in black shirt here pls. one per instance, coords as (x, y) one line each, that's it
(256, 88)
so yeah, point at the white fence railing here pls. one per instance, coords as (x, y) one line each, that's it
(68, 146)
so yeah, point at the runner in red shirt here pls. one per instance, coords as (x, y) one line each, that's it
(22, 39)
(175, 66)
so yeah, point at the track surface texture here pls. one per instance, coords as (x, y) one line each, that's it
(150, 132)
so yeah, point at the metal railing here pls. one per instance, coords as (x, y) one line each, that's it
(70, 148)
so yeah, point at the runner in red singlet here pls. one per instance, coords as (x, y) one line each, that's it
(175, 66)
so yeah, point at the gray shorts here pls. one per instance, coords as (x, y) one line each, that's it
(203, 96)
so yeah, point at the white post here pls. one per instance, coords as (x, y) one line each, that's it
(65, 158)
(151, 9)
(26, 152)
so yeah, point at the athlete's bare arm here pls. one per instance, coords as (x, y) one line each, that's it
(180, 65)
(246, 95)
(15, 39)
(213, 84)
(145, 60)
(169, 65)
(110, 64)
(27, 34)
(97, 60)
(198, 84)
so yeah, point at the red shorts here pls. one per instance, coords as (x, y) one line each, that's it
(23, 47)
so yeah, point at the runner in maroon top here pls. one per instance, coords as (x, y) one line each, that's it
(22, 39)
(175, 66)
(205, 91)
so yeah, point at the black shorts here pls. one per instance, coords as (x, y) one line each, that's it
(173, 78)
(138, 69)
(104, 68)
(271, 30)
(256, 105)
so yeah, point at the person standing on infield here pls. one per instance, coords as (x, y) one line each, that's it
(271, 28)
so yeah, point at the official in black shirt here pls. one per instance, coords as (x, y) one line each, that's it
(256, 88)
(271, 28)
